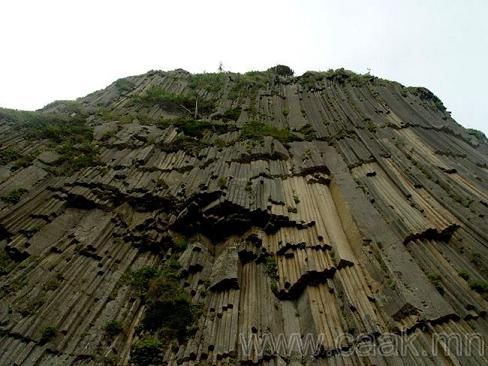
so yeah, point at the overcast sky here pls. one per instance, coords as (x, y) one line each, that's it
(65, 49)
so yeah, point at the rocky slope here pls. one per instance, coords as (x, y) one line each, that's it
(162, 219)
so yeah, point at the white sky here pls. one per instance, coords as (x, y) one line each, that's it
(65, 49)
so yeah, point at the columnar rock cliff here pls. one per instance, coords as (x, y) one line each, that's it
(171, 218)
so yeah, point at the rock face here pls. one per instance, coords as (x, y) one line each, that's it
(333, 208)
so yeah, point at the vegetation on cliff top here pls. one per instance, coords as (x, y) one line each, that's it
(156, 95)
(281, 70)
(69, 135)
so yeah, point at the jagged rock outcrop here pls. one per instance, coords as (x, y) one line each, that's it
(171, 217)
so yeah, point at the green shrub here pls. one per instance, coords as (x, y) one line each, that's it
(32, 306)
(23, 162)
(464, 275)
(189, 144)
(222, 182)
(194, 128)
(14, 196)
(343, 76)
(139, 279)
(433, 276)
(147, 352)
(171, 268)
(181, 244)
(391, 283)
(51, 285)
(231, 114)
(340, 76)
(219, 142)
(478, 134)
(157, 95)
(212, 82)
(57, 128)
(5, 262)
(274, 287)
(282, 70)
(250, 82)
(174, 102)
(124, 85)
(427, 96)
(308, 132)
(271, 267)
(67, 107)
(435, 279)
(169, 310)
(369, 124)
(309, 78)
(77, 156)
(47, 335)
(165, 286)
(257, 130)
(7, 155)
(113, 328)
(479, 286)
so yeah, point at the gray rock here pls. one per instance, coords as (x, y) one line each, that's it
(49, 157)
(224, 272)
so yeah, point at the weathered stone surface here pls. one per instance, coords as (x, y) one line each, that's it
(104, 130)
(225, 271)
(50, 234)
(23, 179)
(331, 205)
(49, 157)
